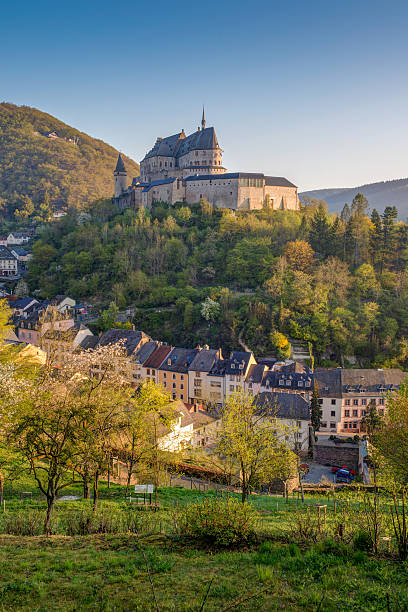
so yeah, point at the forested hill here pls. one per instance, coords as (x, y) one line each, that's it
(199, 275)
(72, 169)
(379, 195)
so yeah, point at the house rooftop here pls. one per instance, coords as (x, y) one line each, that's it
(204, 360)
(157, 357)
(131, 338)
(283, 405)
(179, 360)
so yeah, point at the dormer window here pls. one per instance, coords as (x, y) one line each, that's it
(233, 365)
(169, 362)
(300, 383)
(288, 383)
(281, 382)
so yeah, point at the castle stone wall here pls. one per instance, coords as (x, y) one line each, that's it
(221, 193)
(286, 194)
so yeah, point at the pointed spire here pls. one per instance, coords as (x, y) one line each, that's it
(120, 166)
(203, 120)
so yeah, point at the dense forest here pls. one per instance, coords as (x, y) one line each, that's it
(39, 174)
(195, 274)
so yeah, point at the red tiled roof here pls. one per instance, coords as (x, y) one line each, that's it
(157, 357)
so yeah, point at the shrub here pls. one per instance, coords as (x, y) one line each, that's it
(219, 523)
(362, 541)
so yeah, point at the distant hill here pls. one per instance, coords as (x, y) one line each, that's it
(379, 195)
(41, 155)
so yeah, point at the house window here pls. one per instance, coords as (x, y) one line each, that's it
(182, 396)
(347, 403)
(174, 385)
(231, 387)
(355, 402)
(181, 386)
(332, 425)
(148, 372)
(364, 402)
(198, 374)
(153, 372)
(174, 377)
(320, 401)
(354, 425)
(355, 413)
(288, 383)
(307, 383)
(300, 383)
(323, 424)
(382, 401)
(281, 382)
(347, 413)
(345, 425)
(332, 413)
(182, 377)
(333, 402)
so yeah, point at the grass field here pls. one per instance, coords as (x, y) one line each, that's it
(113, 571)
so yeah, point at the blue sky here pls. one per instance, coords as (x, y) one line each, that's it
(316, 91)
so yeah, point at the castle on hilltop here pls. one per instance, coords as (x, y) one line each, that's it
(182, 168)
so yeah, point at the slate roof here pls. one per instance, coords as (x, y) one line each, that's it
(237, 359)
(283, 405)
(5, 253)
(328, 382)
(371, 380)
(278, 181)
(179, 360)
(219, 367)
(204, 360)
(289, 380)
(156, 358)
(201, 418)
(145, 351)
(89, 342)
(159, 182)
(23, 302)
(179, 144)
(132, 338)
(20, 251)
(256, 373)
(120, 166)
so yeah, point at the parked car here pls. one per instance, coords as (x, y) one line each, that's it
(343, 475)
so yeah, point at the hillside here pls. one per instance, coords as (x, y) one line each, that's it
(72, 169)
(379, 195)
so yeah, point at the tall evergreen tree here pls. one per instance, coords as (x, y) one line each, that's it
(315, 408)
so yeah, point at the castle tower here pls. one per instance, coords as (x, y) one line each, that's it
(120, 175)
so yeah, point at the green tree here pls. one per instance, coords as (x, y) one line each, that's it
(315, 410)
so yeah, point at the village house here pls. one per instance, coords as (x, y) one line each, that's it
(181, 433)
(236, 371)
(59, 344)
(63, 303)
(344, 395)
(149, 369)
(173, 373)
(131, 340)
(216, 383)
(254, 378)
(293, 414)
(205, 426)
(22, 255)
(8, 262)
(21, 307)
(138, 359)
(18, 238)
(37, 319)
(198, 379)
(290, 378)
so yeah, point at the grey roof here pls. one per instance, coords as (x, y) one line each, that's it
(89, 342)
(145, 351)
(120, 166)
(283, 405)
(237, 359)
(5, 253)
(371, 380)
(131, 338)
(179, 360)
(328, 382)
(278, 181)
(23, 302)
(255, 373)
(204, 360)
(20, 251)
(289, 380)
(178, 144)
(219, 367)
(166, 181)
